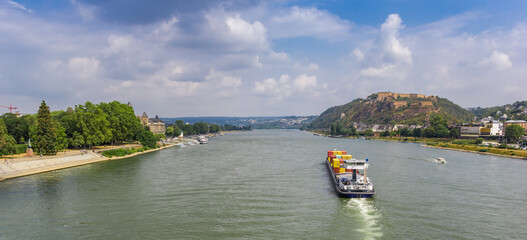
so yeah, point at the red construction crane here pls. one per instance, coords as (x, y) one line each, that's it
(10, 108)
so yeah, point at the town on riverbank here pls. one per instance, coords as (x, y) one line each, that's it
(432, 120)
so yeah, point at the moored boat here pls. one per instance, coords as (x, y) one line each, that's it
(347, 177)
(203, 140)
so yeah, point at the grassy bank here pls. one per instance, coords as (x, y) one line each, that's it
(482, 149)
(121, 152)
(467, 145)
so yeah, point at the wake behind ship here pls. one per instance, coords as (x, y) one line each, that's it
(347, 177)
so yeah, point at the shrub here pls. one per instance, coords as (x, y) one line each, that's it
(483, 150)
(21, 148)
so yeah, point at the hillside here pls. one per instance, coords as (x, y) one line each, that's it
(392, 108)
(515, 111)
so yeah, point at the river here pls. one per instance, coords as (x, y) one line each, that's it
(271, 184)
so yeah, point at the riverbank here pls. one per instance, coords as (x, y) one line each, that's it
(447, 145)
(504, 154)
(14, 168)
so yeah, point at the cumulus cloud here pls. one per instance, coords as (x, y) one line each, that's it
(284, 87)
(497, 60)
(225, 53)
(84, 68)
(386, 60)
(304, 82)
(301, 22)
(391, 45)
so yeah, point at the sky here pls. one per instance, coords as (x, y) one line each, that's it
(258, 58)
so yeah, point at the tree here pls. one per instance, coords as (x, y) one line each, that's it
(169, 131)
(368, 132)
(429, 132)
(7, 142)
(441, 131)
(214, 128)
(147, 138)
(123, 123)
(179, 124)
(92, 124)
(353, 131)
(514, 132)
(17, 127)
(45, 131)
(438, 120)
(454, 133)
(418, 132)
(332, 129)
(405, 132)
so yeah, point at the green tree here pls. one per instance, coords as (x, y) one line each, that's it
(18, 127)
(214, 128)
(188, 130)
(123, 124)
(454, 133)
(147, 138)
(441, 131)
(429, 132)
(514, 132)
(169, 131)
(418, 132)
(179, 124)
(405, 132)
(438, 120)
(353, 131)
(368, 132)
(45, 131)
(7, 142)
(332, 129)
(92, 124)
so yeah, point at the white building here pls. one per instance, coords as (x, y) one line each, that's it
(485, 120)
(492, 128)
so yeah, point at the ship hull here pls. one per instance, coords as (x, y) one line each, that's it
(347, 194)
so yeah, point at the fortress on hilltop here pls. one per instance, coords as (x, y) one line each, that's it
(401, 100)
(389, 95)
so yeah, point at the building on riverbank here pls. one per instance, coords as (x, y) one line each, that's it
(521, 123)
(156, 125)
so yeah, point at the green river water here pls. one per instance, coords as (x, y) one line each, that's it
(271, 184)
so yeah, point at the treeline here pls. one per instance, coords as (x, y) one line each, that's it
(83, 126)
(178, 127)
(438, 128)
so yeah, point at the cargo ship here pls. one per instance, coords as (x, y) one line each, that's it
(349, 175)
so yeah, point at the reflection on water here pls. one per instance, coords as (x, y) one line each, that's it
(271, 184)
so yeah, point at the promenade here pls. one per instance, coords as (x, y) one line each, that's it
(18, 167)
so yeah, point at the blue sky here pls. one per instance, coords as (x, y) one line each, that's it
(257, 58)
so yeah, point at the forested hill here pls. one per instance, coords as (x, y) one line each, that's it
(515, 111)
(393, 108)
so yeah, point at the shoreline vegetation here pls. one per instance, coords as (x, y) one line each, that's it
(449, 144)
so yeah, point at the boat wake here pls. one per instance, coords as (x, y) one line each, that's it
(436, 160)
(370, 215)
